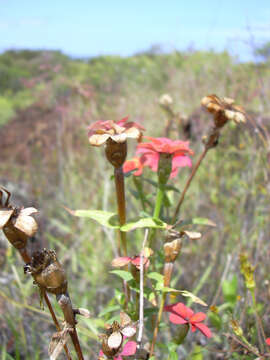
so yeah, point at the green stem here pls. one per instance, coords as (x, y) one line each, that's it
(161, 307)
(158, 206)
(139, 188)
(159, 200)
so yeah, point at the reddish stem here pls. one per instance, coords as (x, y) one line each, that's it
(193, 172)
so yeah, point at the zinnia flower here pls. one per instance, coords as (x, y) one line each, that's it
(152, 150)
(128, 350)
(181, 314)
(114, 135)
(119, 131)
(223, 110)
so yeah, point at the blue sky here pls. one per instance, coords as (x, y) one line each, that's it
(89, 28)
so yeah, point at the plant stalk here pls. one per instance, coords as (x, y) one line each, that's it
(161, 307)
(26, 258)
(193, 173)
(121, 205)
(66, 306)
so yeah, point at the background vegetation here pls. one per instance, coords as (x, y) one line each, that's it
(46, 102)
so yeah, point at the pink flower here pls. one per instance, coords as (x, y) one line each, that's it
(134, 260)
(151, 153)
(133, 164)
(128, 350)
(119, 131)
(181, 314)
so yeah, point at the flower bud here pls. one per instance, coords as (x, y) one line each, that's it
(47, 272)
(116, 152)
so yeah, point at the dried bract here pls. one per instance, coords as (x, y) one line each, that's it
(47, 272)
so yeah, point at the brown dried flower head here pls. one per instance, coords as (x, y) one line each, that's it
(112, 340)
(47, 272)
(172, 249)
(223, 110)
(17, 223)
(114, 135)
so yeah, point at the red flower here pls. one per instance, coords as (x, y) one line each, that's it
(181, 314)
(267, 341)
(151, 152)
(119, 131)
(128, 350)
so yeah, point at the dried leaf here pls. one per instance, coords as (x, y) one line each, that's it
(57, 343)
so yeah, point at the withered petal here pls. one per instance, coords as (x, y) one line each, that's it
(26, 224)
(4, 217)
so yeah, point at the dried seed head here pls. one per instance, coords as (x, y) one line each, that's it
(47, 272)
(171, 250)
(165, 100)
(223, 110)
(116, 152)
(112, 340)
(17, 224)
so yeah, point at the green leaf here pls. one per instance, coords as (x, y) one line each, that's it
(147, 222)
(203, 221)
(105, 218)
(108, 310)
(155, 276)
(125, 275)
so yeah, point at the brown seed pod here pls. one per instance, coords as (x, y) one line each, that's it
(116, 152)
(47, 272)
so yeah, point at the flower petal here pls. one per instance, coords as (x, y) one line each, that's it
(121, 261)
(129, 348)
(4, 217)
(198, 317)
(98, 140)
(204, 329)
(176, 319)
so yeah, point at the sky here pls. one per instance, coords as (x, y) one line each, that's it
(84, 28)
